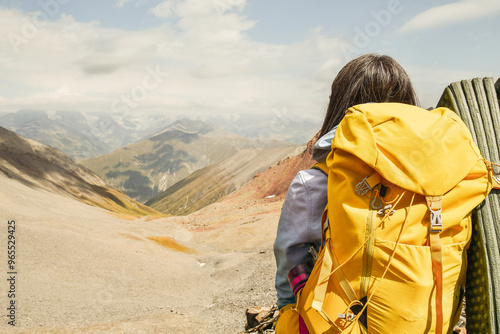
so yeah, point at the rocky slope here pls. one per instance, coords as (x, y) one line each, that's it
(212, 183)
(275, 180)
(39, 166)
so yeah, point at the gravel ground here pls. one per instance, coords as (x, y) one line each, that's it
(82, 270)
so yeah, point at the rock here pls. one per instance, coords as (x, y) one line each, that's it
(261, 319)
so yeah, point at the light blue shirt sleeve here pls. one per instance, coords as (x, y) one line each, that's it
(299, 227)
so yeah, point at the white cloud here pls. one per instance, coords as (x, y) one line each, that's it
(164, 9)
(121, 3)
(327, 70)
(197, 8)
(211, 63)
(460, 11)
(209, 22)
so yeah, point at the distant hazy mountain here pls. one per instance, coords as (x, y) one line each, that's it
(40, 166)
(88, 135)
(147, 168)
(80, 135)
(289, 128)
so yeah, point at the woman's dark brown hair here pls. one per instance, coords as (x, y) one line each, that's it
(368, 78)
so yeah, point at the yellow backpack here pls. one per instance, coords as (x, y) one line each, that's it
(402, 182)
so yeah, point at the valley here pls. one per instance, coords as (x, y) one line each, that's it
(104, 263)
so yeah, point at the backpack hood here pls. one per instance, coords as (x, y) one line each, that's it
(385, 137)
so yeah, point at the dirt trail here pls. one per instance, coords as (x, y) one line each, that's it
(83, 270)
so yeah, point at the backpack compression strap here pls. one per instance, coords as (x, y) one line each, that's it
(434, 203)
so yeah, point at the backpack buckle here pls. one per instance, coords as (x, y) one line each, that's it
(368, 183)
(363, 187)
(436, 221)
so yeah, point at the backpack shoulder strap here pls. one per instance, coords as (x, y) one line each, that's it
(434, 204)
(321, 166)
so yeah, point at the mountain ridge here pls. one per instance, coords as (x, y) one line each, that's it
(214, 182)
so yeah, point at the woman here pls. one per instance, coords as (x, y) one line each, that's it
(368, 78)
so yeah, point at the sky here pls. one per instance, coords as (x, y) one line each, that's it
(230, 57)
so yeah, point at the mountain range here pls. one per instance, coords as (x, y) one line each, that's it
(149, 167)
(84, 135)
(176, 166)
